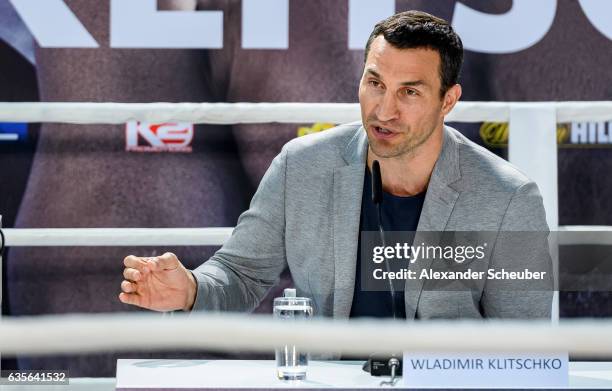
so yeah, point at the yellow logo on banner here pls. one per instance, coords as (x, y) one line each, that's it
(315, 128)
(563, 133)
(495, 134)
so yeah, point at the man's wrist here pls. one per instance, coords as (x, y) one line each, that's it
(192, 288)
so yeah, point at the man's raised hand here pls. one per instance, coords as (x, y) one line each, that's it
(157, 283)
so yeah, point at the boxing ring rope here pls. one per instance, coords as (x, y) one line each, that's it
(42, 335)
(39, 237)
(86, 333)
(249, 113)
(32, 237)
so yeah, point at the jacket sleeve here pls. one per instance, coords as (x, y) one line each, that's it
(522, 244)
(238, 275)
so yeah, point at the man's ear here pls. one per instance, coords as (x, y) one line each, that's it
(451, 98)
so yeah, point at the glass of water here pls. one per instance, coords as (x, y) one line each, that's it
(291, 363)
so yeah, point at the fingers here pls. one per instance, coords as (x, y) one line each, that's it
(130, 298)
(134, 262)
(135, 272)
(135, 269)
(132, 274)
(128, 286)
(168, 261)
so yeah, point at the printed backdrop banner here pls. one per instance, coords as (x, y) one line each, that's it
(180, 175)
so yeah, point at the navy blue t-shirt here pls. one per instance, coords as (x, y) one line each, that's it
(398, 214)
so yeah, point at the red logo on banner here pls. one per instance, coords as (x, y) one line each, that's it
(166, 137)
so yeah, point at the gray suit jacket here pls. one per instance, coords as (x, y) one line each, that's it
(306, 211)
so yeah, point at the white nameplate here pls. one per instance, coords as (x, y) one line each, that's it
(485, 370)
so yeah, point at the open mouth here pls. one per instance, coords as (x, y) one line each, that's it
(383, 132)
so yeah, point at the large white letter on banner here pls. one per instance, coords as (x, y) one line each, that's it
(138, 24)
(600, 14)
(53, 24)
(265, 24)
(363, 15)
(520, 28)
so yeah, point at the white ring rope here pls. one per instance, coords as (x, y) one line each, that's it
(36, 237)
(585, 235)
(235, 113)
(239, 332)
(197, 113)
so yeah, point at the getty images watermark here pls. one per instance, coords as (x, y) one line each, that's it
(456, 260)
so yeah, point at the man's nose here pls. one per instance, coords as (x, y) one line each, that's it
(387, 109)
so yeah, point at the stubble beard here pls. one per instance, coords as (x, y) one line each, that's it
(405, 149)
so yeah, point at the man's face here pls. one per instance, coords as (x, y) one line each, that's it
(400, 98)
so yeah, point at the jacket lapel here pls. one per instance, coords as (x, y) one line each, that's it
(437, 208)
(348, 189)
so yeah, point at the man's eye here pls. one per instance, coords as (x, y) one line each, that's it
(374, 83)
(410, 92)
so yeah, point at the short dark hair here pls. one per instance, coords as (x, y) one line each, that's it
(417, 29)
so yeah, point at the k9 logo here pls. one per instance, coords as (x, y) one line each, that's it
(166, 137)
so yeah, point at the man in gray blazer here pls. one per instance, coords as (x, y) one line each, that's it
(312, 203)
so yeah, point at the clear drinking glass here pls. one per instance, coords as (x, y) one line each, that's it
(291, 363)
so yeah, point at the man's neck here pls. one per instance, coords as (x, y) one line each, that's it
(409, 174)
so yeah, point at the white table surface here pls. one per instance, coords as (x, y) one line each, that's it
(590, 375)
(234, 374)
